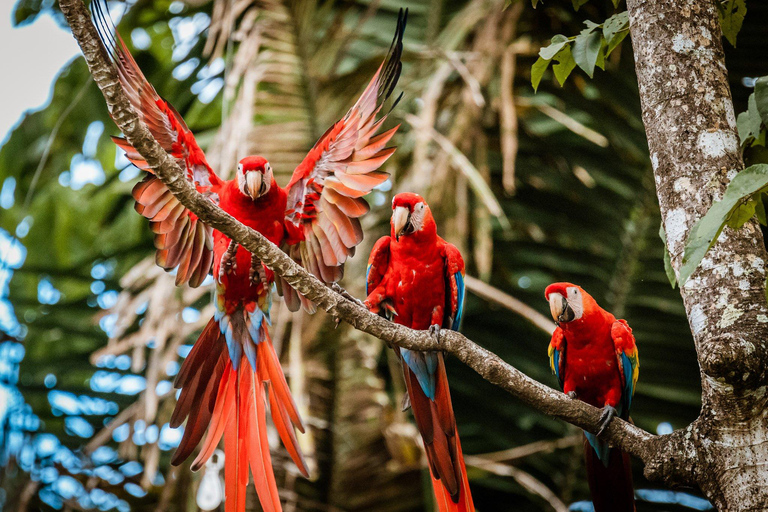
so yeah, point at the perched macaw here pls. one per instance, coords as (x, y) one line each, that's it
(233, 367)
(415, 278)
(594, 357)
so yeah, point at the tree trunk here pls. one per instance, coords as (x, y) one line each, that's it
(694, 147)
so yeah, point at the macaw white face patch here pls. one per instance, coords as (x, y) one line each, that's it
(417, 216)
(576, 301)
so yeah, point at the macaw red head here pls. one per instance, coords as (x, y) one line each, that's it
(410, 214)
(568, 302)
(254, 176)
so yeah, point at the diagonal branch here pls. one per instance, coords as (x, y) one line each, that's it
(651, 449)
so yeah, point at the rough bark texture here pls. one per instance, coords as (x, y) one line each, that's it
(694, 147)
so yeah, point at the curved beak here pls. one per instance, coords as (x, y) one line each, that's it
(560, 309)
(255, 184)
(401, 221)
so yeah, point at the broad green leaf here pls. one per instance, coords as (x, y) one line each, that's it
(732, 14)
(616, 41)
(761, 98)
(614, 24)
(667, 260)
(586, 49)
(704, 233)
(749, 122)
(742, 213)
(555, 46)
(564, 66)
(601, 55)
(760, 210)
(537, 71)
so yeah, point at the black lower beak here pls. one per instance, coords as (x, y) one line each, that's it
(567, 315)
(407, 229)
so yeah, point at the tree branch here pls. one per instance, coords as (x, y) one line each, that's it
(491, 367)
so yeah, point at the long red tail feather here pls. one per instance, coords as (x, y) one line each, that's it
(231, 403)
(611, 487)
(437, 425)
(282, 406)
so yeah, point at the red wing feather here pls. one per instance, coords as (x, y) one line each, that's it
(340, 169)
(153, 200)
(378, 262)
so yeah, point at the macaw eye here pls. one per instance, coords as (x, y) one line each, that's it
(267, 168)
(240, 167)
(573, 292)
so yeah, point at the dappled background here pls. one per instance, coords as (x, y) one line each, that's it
(533, 188)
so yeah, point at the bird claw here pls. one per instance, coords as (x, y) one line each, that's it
(344, 293)
(605, 419)
(228, 261)
(434, 331)
(571, 395)
(257, 274)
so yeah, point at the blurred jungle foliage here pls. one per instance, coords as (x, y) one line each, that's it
(533, 188)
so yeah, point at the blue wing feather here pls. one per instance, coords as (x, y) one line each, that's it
(629, 390)
(556, 366)
(460, 286)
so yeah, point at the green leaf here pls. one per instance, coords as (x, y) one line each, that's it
(667, 260)
(761, 98)
(704, 233)
(616, 3)
(555, 46)
(616, 41)
(564, 66)
(732, 14)
(578, 3)
(760, 210)
(616, 26)
(537, 71)
(749, 122)
(534, 3)
(601, 55)
(742, 213)
(586, 49)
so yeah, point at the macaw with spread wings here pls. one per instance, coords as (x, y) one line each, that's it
(233, 367)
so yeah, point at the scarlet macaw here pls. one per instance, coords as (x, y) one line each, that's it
(223, 379)
(415, 278)
(594, 357)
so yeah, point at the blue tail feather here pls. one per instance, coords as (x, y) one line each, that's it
(423, 365)
(602, 449)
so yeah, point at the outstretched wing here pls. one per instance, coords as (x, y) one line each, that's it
(454, 289)
(182, 240)
(325, 192)
(629, 363)
(557, 349)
